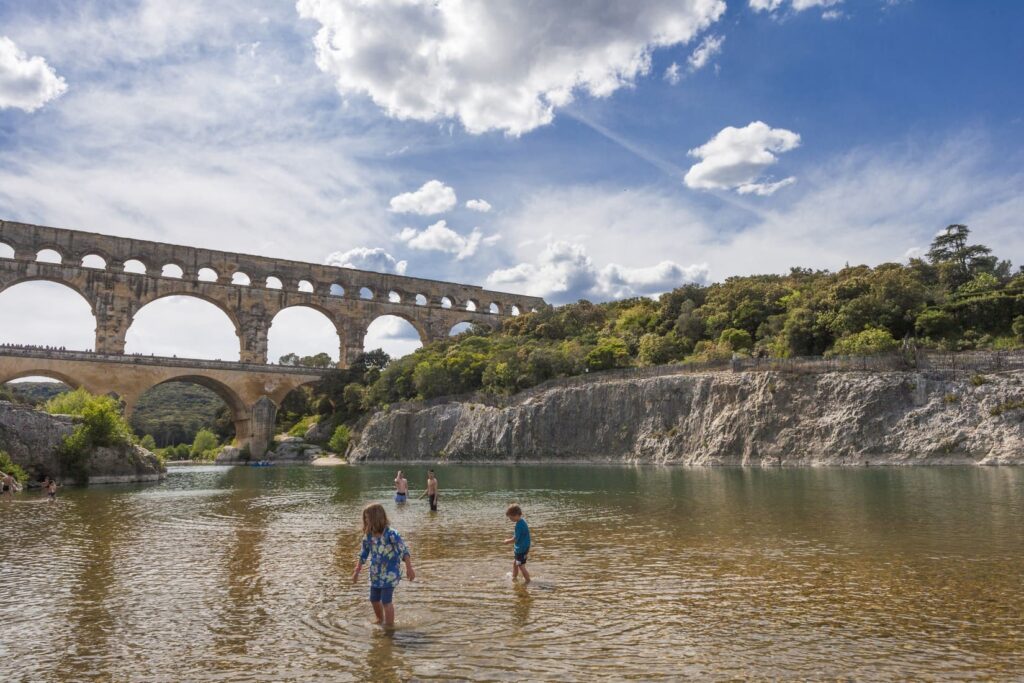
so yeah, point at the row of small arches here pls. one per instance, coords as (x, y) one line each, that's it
(241, 279)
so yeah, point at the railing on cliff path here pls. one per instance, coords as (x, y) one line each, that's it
(970, 362)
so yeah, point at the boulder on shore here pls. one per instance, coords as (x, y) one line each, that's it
(33, 438)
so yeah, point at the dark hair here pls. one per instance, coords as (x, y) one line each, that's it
(430, 470)
(514, 510)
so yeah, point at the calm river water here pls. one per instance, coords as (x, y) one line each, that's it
(223, 574)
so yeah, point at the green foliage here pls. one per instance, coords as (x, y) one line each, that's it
(735, 339)
(1018, 327)
(148, 442)
(300, 427)
(204, 447)
(172, 413)
(100, 425)
(339, 439)
(865, 343)
(959, 297)
(996, 411)
(7, 466)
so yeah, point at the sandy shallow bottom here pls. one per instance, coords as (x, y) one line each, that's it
(225, 574)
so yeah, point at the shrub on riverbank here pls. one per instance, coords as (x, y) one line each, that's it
(100, 425)
(8, 467)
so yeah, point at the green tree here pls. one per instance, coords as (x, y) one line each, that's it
(610, 352)
(735, 339)
(1018, 327)
(657, 349)
(936, 324)
(340, 439)
(956, 260)
(204, 443)
(148, 442)
(865, 343)
(7, 466)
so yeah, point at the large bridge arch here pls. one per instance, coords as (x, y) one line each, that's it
(305, 329)
(161, 326)
(70, 380)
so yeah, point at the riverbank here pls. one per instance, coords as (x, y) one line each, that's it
(738, 419)
(33, 439)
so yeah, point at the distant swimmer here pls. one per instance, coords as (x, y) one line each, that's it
(51, 489)
(431, 491)
(401, 488)
(8, 485)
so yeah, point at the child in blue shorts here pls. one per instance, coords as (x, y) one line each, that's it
(386, 550)
(520, 539)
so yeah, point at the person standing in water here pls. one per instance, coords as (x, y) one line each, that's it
(51, 489)
(431, 491)
(401, 488)
(385, 550)
(520, 539)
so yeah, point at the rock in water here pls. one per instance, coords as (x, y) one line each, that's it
(32, 438)
(753, 418)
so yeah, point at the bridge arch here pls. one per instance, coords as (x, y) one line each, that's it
(305, 329)
(389, 331)
(140, 338)
(95, 261)
(72, 382)
(6, 250)
(134, 265)
(49, 254)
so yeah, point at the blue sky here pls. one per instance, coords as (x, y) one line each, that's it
(807, 133)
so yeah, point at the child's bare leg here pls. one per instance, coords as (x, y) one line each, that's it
(389, 614)
(526, 574)
(515, 570)
(378, 610)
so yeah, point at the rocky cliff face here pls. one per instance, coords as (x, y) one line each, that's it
(32, 438)
(724, 419)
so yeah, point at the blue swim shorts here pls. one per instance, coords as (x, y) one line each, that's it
(400, 497)
(382, 594)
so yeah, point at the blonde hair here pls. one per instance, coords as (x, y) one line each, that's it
(375, 519)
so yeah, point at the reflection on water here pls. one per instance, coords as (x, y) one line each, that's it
(647, 573)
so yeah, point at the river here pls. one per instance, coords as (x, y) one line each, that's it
(232, 574)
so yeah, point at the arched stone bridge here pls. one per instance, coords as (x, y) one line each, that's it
(251, 392)
(238, 285)
(118, 276)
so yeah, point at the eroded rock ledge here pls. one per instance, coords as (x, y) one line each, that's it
(32, 438)
(745, 418)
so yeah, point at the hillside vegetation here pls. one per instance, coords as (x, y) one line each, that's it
(959, 296)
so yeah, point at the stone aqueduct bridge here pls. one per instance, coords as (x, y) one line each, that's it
(94, 265)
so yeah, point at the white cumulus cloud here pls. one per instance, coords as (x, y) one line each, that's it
(705, 52)
(481, 205)
(494, 65)
(367, 258)
(797, 5)
(672, 73)
(439, 237)
(432, 198)
(736, 159)
(26, 83)
(564, 272)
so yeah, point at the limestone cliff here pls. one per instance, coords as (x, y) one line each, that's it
(32, 438)
(756, 418)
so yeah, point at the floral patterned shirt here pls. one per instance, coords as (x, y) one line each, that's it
(385, 554)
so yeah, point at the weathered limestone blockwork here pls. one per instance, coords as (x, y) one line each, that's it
(116, 295)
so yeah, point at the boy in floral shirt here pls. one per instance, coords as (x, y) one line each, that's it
(386, 550)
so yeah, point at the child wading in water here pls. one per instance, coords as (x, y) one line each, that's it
(521, 539)
(386, 550)
(431, 491)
